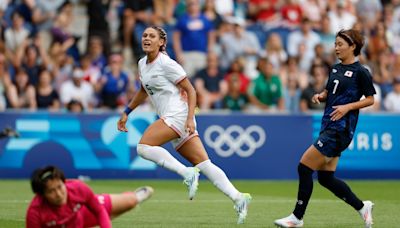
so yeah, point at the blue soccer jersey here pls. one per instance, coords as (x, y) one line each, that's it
(346, 84)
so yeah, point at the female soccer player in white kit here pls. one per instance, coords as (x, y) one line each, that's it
(174, 99)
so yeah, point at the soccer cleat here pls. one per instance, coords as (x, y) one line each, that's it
(143, 193)
(366, 213)
(241, 207)
(290, 221)
(192, 181)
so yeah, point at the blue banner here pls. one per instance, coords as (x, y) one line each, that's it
(244, 146)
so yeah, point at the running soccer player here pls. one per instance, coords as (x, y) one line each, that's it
(174, 99)
(71, 203)
(348, 81)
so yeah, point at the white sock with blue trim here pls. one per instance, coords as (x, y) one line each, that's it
(219, 179)
(162, 158)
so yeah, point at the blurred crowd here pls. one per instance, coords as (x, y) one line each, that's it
(241, 55)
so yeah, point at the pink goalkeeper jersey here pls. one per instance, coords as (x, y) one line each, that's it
(80, 200)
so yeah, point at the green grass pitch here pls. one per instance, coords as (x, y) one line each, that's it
(170, 207)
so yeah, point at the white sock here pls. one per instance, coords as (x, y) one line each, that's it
(162, 158)
(219, 179)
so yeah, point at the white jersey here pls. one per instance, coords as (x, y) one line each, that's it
(160, 78)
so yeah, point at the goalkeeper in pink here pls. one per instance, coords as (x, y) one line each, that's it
(71, 203)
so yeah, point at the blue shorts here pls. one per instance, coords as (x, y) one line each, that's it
(332, 143)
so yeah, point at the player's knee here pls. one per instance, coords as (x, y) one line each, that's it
(141, 149)
(325, 178)
(304, 170)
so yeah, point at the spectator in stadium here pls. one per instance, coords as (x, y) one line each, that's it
(265, 92)
(340, 17)
(193, 37)
(174, 99)
(314, 10)
(96, 52)
(99, 28)
(61, 35)
(391, 18)
(348, 81)
(21, 94)
(392, 100)
(301, 43)
(60, 64)
(211, 13)
(5, 81)
(46, 96)
(75, 106)
(387, 67)
(292, 69)
(378, 42)
(291, 95)
(31, 56)
(77, 89)
(235, 99)
(92, 73)
(321, 58)
(326, 35)
(15, 35)
(275, 51)
(210, 84)
(264, 11)
(164, 11)
(369, 12)
(236, 70)
(291, 13)
(62, 202)
(240, 43)
(44, 13)
(317, 85)
(113, 83)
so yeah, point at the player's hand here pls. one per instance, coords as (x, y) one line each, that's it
(122, 123)
(190, 127)
(317, 98)
(339, 112)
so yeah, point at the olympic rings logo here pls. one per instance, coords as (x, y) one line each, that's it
(234, 139)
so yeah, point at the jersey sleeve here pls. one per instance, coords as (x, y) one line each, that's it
(32, 218)
(94, 206)
(364, 81)
(173, 71)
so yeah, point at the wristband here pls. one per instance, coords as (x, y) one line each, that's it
(127, 110)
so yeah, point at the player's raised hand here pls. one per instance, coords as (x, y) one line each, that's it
(122, 123)
(317, 98)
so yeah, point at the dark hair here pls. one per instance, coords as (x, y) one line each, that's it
(163, 35)
(74, 102)
(263, 60)
(352, 37)
(40, 177)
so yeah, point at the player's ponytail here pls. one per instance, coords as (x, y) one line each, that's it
(163, 35)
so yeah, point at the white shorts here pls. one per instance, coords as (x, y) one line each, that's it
(177, 123)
